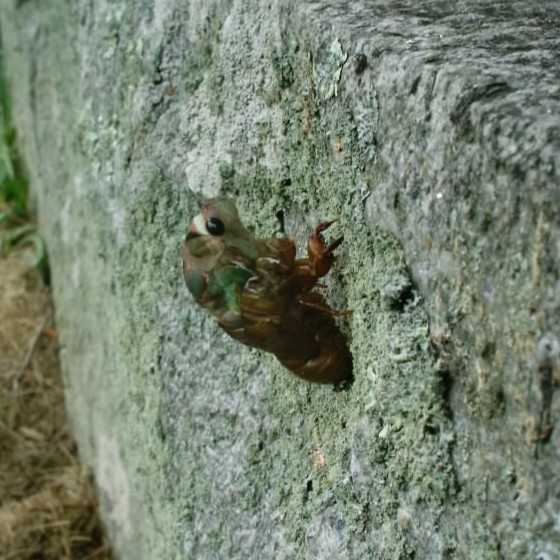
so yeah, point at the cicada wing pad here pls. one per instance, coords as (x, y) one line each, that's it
(262, 305)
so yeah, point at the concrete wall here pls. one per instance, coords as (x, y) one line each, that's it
(432, 131)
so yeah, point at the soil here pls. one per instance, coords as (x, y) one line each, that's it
(48, 502)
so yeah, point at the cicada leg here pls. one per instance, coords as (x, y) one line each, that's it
(305, 300)
(321, 254)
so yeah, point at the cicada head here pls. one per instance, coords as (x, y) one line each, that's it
(218, 251)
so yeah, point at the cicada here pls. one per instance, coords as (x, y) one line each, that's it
(265, 297)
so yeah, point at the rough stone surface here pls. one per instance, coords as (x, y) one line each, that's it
(431, 130)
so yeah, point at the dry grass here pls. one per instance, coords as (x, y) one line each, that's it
(48, 505)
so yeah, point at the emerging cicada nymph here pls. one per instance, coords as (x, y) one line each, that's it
(262, 295)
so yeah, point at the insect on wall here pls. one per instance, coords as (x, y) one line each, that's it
(263, 296)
